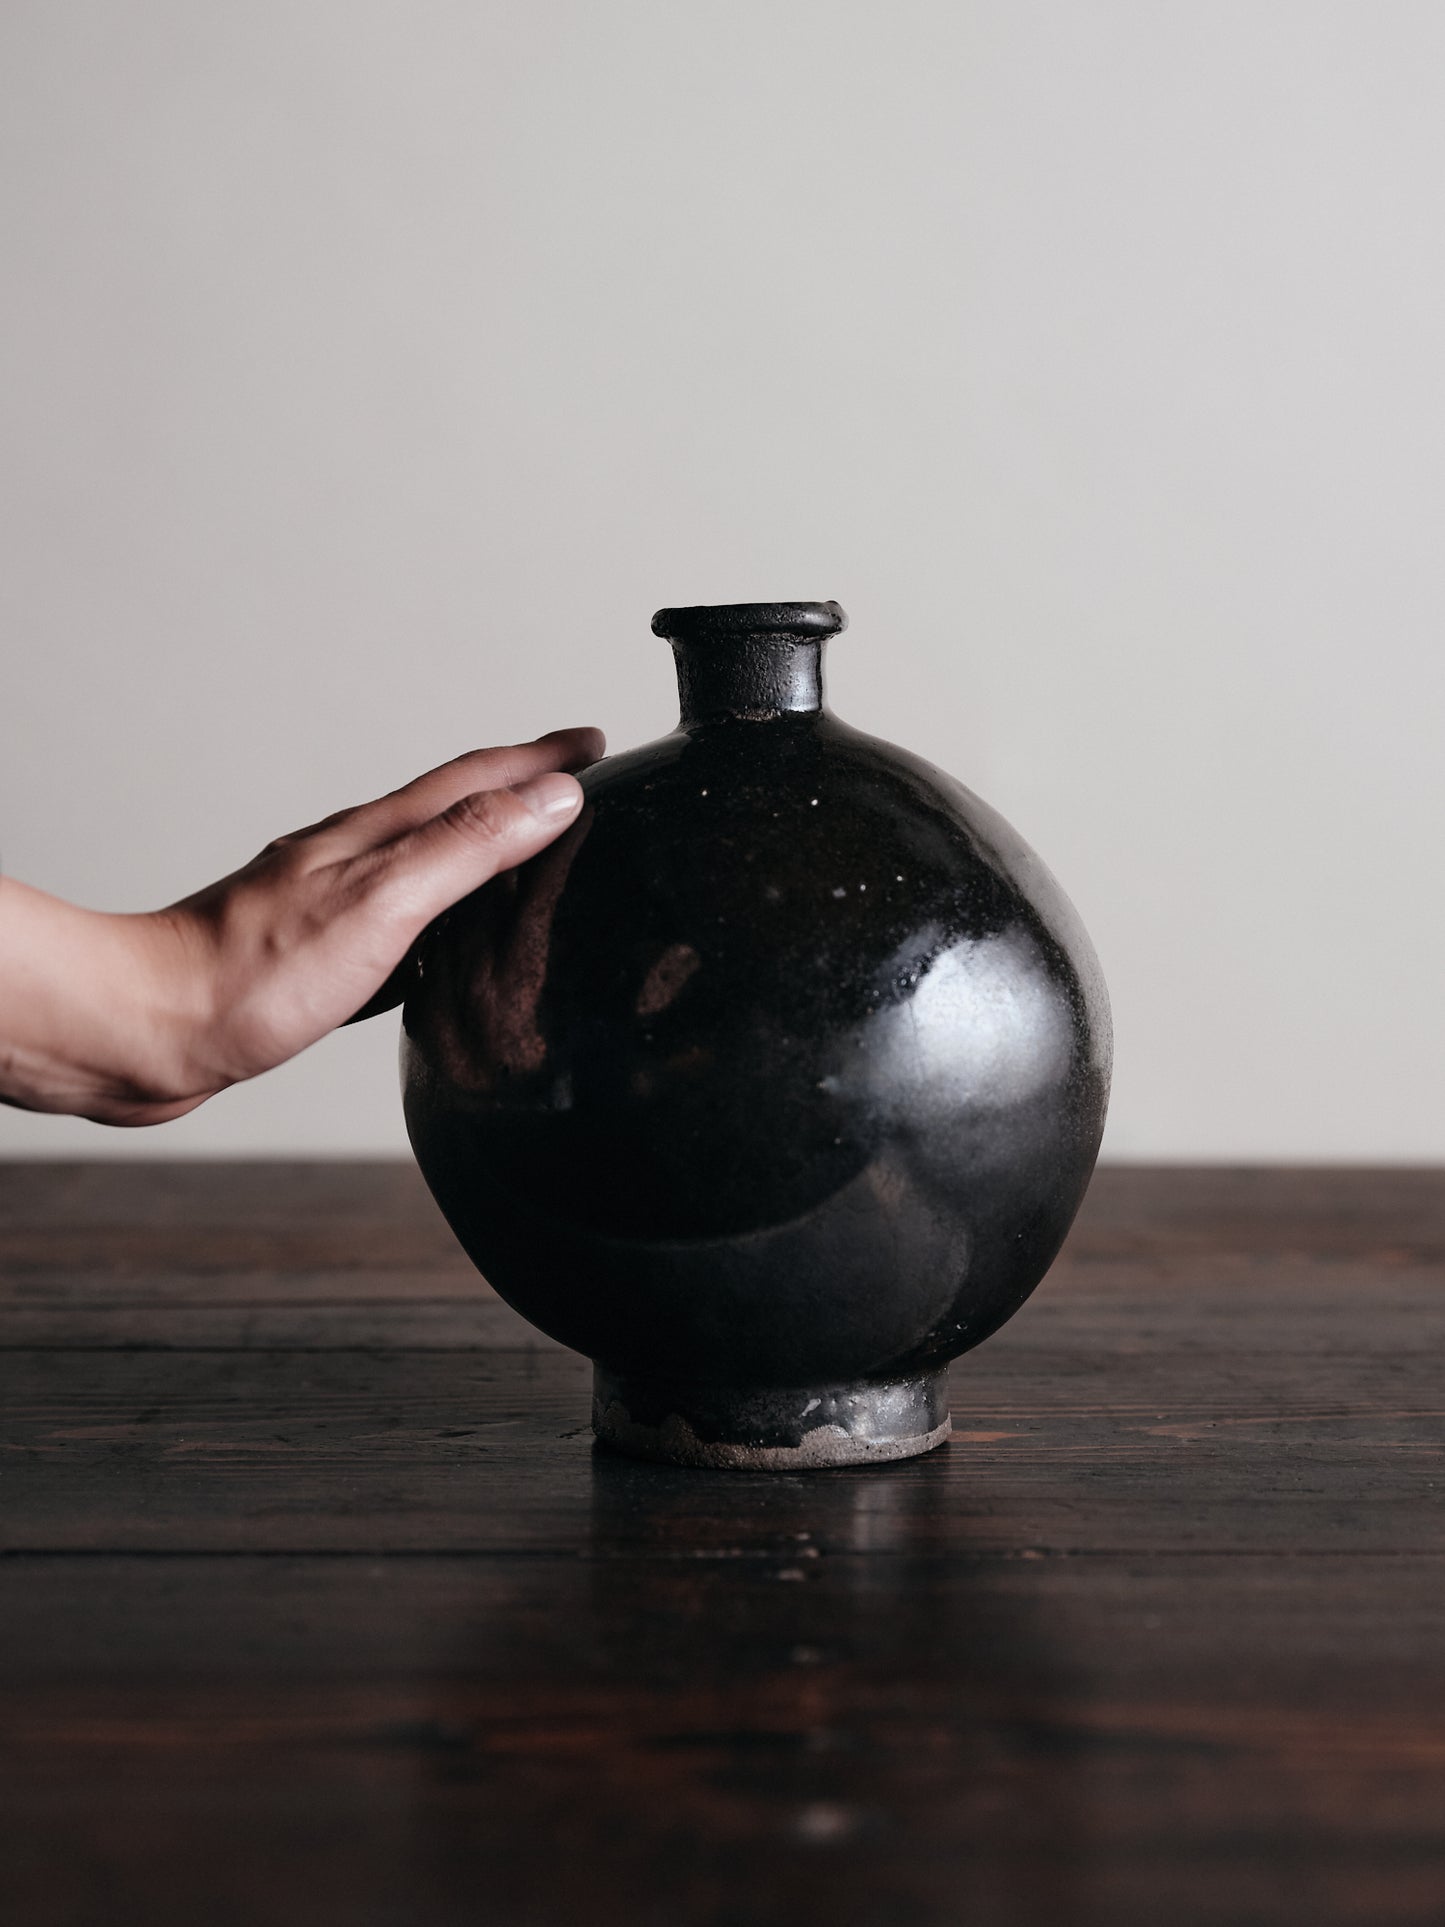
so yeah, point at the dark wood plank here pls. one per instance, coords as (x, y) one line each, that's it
(319, 1605)
(261, 1311)
(1168, 1450)
(309, 1198)
(364, 1205)
(1293, 1306)
(260, 1256)
(766, 1738)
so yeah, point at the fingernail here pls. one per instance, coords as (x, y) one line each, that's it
(554, 794)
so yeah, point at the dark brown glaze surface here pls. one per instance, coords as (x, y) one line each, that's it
(786, 1066)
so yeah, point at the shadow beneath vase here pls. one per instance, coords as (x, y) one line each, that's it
(750, 1701)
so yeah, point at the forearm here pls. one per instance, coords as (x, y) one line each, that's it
(95, 1011)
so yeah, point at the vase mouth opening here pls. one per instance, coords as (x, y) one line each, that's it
(732, 621)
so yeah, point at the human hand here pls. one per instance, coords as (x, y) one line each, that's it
(139, 1019)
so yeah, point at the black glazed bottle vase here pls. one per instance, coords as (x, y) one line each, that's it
(775, 1083)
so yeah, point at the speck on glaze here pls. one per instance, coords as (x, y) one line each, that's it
(771, 1109)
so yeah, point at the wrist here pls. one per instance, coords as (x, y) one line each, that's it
(98, 1013)
(170, 981)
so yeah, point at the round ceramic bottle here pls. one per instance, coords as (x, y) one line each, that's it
(775, 1083)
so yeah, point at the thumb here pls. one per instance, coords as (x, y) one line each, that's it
(482, 834)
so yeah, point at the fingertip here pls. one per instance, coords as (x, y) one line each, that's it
(550, 797)
(585, 741)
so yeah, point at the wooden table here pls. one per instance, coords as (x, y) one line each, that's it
(319, 1606)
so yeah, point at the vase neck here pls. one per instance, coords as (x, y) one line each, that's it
(749, 661)
(748, 678)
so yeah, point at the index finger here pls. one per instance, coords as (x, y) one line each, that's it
(429, 795)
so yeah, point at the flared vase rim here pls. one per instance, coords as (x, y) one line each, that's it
(722, 621)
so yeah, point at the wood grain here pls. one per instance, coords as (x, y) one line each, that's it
(318, 1605)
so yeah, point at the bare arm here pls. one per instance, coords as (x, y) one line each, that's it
(135, 1019)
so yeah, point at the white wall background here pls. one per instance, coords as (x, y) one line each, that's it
(371, 369)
